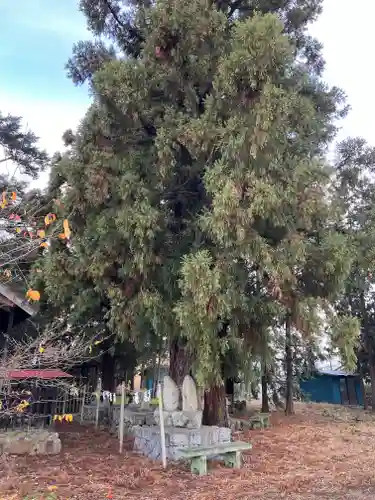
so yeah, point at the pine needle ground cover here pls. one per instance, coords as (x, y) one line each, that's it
(322, 452)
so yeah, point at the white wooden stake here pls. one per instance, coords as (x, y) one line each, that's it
(122, 411)
(162, 434)
(83, 404)
(98, 392)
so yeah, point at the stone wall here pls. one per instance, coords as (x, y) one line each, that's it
(147, 439)
(34, 442)
(89, 414)
(132, 417)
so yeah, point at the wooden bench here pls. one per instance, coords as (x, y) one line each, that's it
(231, 452)
(260, 421)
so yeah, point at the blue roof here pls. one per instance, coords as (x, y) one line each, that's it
(336, 373)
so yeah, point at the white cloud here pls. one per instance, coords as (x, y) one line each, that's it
(63, 20)
(48, 119)
(348, 35)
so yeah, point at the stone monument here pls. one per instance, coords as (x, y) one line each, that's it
(188, 416)
(189, 394)
(182, 425)
(171, 394)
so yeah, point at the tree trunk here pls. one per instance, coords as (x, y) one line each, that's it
(367, 344)
(108, 372)
(229, 390)
(363, 389)
(265, 401)
(372, 378)
(215, 407)
(289, 406)
(180, 361)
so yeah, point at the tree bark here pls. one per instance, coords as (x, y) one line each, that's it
(367, 343)
(265, 400)
(372, 378)
(289, 405)
(108, 372)
(180, 361)
(215, 406)
(363, 389)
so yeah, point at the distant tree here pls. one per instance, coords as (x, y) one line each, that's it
(20, 148)
(20, 160)
(355, 191)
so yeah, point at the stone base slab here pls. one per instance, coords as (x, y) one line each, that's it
(147, 439)
(185, 419)
(35, 442)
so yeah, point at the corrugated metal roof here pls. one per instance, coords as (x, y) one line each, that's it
(41, 374)
(336, 373)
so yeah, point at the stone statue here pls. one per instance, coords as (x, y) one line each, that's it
(189, 394)
(171, 394)
(190, 416)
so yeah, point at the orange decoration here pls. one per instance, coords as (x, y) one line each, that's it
(33, 295)
(4, 200)
(66, 229)
(44, 244)
(49, 218)
(62, 236)
(14, 196)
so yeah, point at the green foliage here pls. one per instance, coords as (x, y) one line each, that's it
(196, 185)
(20, 147)
(41, 496)
(345, 338)
(21, 159)
(355, 195)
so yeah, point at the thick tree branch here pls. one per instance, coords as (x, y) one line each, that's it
(113, 12)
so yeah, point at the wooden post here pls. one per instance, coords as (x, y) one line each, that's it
(98, 392)
(162, 434)
(83, 404)
(122, 411)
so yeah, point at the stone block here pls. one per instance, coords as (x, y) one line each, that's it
(178, 439)
(147, 439)
(184, 419)
(179, 419)
(35, 442)
(225, 435)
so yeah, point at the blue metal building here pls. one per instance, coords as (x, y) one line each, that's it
(333, 386)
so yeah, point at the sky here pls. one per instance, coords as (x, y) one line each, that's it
(36, 38)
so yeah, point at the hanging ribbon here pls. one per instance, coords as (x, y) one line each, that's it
(67, 231)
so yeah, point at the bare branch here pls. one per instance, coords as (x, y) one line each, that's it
(57, 347)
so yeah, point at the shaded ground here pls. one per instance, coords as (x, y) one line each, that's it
(321, 453)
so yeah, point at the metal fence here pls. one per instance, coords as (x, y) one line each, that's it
(37, 407)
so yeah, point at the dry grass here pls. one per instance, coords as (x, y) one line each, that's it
(321, 453)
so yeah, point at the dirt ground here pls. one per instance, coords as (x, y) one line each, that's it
(321, 453)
